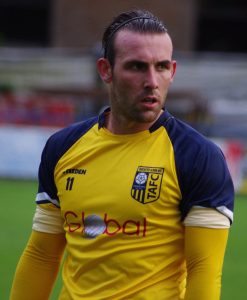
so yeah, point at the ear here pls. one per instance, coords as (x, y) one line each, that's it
(104, 69)
(173, 70)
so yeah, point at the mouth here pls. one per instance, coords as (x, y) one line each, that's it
(149, 102)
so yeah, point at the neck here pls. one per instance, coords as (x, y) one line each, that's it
(118, 125)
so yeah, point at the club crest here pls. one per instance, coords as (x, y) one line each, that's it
(147, 184)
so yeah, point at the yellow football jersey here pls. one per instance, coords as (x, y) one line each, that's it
(123, 199)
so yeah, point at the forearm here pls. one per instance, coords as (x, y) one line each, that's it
(38, 267)
(205, 249)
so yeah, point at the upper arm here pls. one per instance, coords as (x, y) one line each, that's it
(47, 244)
(48, 219)
(207, 182)
(203, 176)
(206, 217)
(204, 254)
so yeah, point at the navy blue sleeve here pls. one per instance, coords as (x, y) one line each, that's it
(55, 147)
(203, 175)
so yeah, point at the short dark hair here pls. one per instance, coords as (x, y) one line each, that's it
(134, 20)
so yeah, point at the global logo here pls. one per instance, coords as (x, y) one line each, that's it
(92, 225)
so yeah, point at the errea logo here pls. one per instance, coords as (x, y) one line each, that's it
(147, 184)
(75, 171)
(70, 180)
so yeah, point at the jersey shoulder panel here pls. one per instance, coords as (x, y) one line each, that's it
(203, 175)
(62, 140)
(55, 147)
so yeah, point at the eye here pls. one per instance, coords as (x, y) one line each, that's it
(164, 65)
(137, 66)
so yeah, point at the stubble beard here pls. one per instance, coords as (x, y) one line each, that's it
(133, 113)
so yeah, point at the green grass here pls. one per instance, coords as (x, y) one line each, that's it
(16, 212)
(235, 269)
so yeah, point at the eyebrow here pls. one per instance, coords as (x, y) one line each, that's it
(166, 62)
(143, 62)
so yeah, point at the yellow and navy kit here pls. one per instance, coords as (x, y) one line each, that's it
(123, 202)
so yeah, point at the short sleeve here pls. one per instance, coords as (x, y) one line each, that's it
(207, 182)
(202, 172)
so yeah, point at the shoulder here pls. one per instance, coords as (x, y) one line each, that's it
(202, 171)
(193, 152)
(55, 147)
(186, 141)
(73, 132)
(63, 139)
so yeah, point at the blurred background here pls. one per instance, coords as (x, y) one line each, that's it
(48, 80)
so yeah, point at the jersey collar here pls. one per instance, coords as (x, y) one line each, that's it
(163, 118)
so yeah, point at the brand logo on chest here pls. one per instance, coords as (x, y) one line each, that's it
(147, 184)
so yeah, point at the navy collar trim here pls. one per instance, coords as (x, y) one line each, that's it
(164, 117)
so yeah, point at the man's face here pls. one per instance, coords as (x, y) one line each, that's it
(141, 75)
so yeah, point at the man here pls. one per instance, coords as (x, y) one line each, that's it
(142, 201)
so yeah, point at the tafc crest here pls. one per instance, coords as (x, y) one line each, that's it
(147, 184)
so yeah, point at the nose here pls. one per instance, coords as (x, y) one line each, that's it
(151, 79)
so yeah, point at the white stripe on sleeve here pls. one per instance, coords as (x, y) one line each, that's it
(49, 221)
(206, 217)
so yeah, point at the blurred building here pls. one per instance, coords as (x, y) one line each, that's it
(195, 25)
(73, 19)
(48, 77)
(47, 47)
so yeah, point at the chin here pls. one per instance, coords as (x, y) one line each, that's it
(149, 117)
